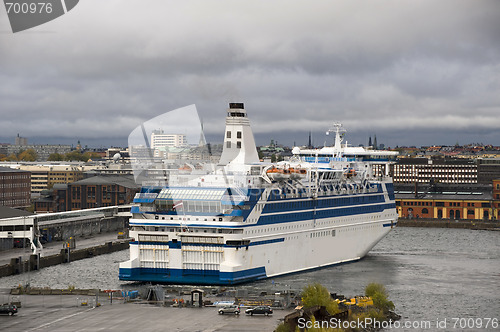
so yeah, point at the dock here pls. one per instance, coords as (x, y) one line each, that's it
(448, 223)
(20, 260)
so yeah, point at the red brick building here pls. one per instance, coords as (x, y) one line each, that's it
(53, 200)
(93, 192)
(15, 188)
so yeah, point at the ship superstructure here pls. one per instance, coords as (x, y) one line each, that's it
(244, 220)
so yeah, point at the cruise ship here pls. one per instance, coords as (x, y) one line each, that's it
(243, 220)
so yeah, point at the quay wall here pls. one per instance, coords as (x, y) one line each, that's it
(443, 223)
(18, 266)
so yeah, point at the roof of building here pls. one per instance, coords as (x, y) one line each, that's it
(126, 181)
(479, 192)
(8, 212)
(8, 169)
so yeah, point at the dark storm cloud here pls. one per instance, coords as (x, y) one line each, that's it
(401, 68)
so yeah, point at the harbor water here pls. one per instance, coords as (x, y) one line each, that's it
(431, 274)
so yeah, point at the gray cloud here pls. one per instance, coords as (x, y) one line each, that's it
(401, 68)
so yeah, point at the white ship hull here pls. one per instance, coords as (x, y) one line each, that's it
(190, 253)
(246, 220)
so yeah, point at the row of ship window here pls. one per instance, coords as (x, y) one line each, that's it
(330, 222)
(186, 229)
(322, 233)
(189, 206)
(333, 232)
(324, 203)
(323, 214)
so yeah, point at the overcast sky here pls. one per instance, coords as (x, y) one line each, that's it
(412, 72)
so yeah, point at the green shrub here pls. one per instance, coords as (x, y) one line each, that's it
(379, 295)
(317, 294)
(374, 288)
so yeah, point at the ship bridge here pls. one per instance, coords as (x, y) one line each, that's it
(196, 201)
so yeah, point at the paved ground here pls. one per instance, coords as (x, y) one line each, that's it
(64, 313)
(53, 248)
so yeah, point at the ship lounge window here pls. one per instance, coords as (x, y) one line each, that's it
(228, 135)
(238, 134)
(238, 145)
(237, 114)
(228, 144)
(236, 243)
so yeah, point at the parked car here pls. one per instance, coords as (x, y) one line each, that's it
(262, 310)
(229, 309)
(8, 309)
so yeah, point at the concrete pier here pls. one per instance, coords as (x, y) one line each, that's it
(447, 223)
(17, 261)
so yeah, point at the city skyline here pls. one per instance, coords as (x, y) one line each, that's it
(264, 139)
(413, 73)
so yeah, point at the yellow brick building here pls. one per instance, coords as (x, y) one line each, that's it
(477, 202)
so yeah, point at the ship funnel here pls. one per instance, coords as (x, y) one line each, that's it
(239, 144)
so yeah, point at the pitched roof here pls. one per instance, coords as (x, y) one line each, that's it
(8, 169)
(8, 212)
(126, 181)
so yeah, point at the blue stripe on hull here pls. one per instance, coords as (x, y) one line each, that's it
(192, 277)
(271, 219)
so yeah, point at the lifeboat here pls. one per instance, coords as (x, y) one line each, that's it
(300, 171)
(350, 172)
(185, 168)
(297, 173)
(278, 173)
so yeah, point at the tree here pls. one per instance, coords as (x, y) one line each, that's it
(55, 157)
(12, 157)
(27, 155)
(73, 156)
(79, 156)
(90, 155)
(317, 295)
(379, 295)
(31, 208)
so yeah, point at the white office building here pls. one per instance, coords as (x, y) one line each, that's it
(160, 139)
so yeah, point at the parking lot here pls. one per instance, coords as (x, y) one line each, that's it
(64, 313)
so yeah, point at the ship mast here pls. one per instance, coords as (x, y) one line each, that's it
(339, 135)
